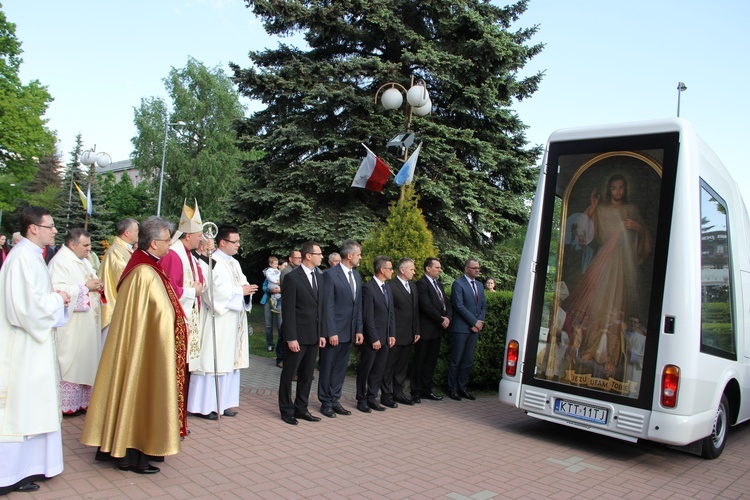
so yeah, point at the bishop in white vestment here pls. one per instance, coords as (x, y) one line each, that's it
(231, 300)
(30, 309)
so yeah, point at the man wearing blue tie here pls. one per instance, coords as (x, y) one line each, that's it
(469, 310)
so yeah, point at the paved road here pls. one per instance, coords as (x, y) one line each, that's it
(469, 449)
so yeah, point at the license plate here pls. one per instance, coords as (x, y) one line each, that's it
(581, 411)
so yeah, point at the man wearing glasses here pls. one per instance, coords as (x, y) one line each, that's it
(302, 305)
(469, 310)
(137, 411)
(379, 323)
(231, 299)
(30, 437)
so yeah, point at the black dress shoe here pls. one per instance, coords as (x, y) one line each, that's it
(389, 403)
(150, 469)
(454, 395)
(307, 416)
(362, 406)
(28, 487)
(327, 411)
(211, 416)
(376, 406)
(434, 397)
(341, 410)
(289, 420)
(280, 364)
(230, 413)
(405, 401)
(416, 400)
(466, 395)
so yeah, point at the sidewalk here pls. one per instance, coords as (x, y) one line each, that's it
(447, 449)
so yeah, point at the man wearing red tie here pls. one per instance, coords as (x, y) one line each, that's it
(469, 310)
(434, 319)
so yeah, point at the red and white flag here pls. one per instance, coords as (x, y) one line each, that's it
(373, 173)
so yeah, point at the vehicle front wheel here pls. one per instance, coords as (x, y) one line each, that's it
(714, 444)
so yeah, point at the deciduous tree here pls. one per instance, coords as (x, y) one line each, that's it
(24, 137)
(202, 156)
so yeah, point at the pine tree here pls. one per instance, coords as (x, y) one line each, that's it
(475, 170)
(404, 234)
(69, 212)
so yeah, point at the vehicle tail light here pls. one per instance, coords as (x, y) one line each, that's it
(511, 359)
(670, 382)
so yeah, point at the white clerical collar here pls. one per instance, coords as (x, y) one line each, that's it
(219, 255)
(28, 243)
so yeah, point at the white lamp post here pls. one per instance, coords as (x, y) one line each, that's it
(418, 103)
(92, 159)
(167, 124)
(681, 87)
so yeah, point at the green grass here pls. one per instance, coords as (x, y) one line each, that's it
(256, 321)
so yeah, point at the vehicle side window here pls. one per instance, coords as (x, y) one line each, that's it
(717, 325)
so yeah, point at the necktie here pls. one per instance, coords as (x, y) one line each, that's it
(474, 286)
(314, 283)
(385, 293)
(439, 294)
(408, 290)
(352, 285)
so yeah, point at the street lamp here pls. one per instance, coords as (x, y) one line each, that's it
(681, 87)
(91, 159)
(418, 103)
(167, 124)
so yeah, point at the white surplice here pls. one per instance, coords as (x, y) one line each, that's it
(78, 342)
(232, 353)
(30, 437)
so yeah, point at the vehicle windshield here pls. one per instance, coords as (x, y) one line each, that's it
(599, 271)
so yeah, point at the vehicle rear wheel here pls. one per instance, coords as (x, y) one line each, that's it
(714, 444)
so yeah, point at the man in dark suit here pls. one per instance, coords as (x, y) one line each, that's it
(379, 331)
(343, 295)
(469, 310)
(434, 318)
(302, 305)
(406, 310)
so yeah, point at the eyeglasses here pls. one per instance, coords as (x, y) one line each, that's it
(51, 226)
(237, 242)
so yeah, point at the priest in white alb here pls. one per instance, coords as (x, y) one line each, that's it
(30, 309)
(227, 308)
(79, 341)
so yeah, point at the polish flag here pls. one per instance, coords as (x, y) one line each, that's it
(373, 173)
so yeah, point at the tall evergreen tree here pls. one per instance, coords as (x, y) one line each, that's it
(474, 172)
(202, 157)
(23, 132)
(69, 212)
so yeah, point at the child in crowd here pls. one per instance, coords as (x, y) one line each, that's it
(273, 276)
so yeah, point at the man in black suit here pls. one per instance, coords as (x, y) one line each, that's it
(379, 331)
(469, 310)
(343, 296)
(406, 310)
(302, 308)
(434, 319)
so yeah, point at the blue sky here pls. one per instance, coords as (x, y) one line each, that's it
(605, 62)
